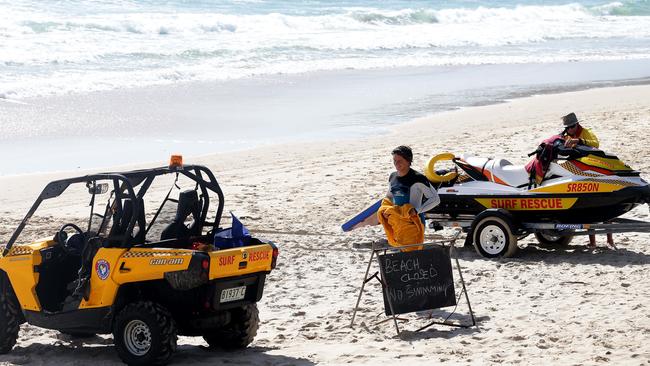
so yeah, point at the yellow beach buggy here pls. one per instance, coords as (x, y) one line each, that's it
(144, 276)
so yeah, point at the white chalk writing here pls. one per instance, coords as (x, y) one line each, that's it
(402, 265)
(419, 275)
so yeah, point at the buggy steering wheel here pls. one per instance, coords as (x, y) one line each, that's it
(61, 236)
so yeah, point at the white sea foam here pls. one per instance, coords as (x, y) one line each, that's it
(63, 49)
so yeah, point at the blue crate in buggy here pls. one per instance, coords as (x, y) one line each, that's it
(236, 236)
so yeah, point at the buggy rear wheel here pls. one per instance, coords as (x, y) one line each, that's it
(493, 236)
(239, 333)
(145, 334)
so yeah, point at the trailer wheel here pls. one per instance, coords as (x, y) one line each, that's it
(550, 239)
(493, 236)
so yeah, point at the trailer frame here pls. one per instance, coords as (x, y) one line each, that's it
(520, 230)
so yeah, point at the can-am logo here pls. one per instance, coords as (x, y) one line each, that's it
(163, 261)
(103, 269)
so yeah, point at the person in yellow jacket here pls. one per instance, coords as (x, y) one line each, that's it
(574, 134)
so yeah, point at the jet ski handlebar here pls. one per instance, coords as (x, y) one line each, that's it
(558, 149)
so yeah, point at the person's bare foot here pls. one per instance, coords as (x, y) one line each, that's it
(591, 245)
(612, 245)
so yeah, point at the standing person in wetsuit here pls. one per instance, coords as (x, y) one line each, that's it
(409, 186)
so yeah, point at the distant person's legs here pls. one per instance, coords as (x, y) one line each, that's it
(610, 241)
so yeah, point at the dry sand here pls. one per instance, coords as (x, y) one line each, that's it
(560, 306)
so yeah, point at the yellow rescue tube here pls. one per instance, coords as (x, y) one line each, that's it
(430, 170)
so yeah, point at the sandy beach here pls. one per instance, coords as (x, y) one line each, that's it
(570, 306)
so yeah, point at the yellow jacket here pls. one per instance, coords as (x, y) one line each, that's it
(400, 227)
(588, 138)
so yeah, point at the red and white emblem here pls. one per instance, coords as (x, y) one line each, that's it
(103, 269)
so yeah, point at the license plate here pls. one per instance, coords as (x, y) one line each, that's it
(232, 294)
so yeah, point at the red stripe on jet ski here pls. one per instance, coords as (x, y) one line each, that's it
(494, 178)
(585, 167)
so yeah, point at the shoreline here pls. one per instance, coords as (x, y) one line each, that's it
(443, 116)
(472, 118)
(116, 126)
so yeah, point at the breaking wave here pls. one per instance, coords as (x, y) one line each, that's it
(118, 44)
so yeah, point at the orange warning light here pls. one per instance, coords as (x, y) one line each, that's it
(176, 161)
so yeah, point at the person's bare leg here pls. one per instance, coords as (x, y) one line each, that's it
(592, 241)
(610, 240)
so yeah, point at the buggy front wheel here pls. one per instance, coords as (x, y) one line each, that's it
(9, 316)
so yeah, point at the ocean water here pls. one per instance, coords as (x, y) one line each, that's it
(100, 83)
(79, 46)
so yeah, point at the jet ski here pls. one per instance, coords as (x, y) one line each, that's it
(580, 185)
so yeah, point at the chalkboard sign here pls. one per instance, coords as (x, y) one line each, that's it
(417, 280)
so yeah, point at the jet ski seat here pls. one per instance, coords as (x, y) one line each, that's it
(499, 170)
(475, 161)
(512, 175)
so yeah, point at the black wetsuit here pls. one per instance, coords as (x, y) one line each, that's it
(413, 188)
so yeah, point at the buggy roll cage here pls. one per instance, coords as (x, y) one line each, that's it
(124, 184)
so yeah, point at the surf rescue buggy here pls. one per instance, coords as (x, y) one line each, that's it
(144, 276)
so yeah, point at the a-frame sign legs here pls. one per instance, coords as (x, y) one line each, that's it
(363, 284)
(464, 290)
(367, 279)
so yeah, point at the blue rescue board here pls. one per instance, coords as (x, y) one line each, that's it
(364, 218)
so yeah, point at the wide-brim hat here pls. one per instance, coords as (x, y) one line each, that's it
(570, 120)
